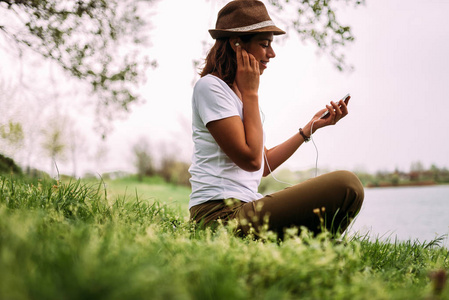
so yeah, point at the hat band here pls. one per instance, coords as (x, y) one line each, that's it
(252, 27)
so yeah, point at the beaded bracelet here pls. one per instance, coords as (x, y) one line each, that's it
(306, 138)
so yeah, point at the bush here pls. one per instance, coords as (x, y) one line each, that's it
(174, 171)
(7, 165)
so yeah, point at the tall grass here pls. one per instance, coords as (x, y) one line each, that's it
(75, 240)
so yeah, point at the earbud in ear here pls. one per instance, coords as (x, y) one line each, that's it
(237, 44)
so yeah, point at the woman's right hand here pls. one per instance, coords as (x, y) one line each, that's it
(248, 73)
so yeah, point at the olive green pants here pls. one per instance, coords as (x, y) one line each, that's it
(328, 201)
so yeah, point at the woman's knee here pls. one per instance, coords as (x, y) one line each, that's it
(349, 180)
(349, 184)
(349, 195)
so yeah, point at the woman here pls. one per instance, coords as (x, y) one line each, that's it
(229, 156)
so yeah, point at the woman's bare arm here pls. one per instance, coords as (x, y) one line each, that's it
(279, 154)
(242, 141)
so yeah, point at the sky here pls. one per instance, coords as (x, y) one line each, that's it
(399, 88)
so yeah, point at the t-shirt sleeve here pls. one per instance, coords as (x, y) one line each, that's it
(213, 102)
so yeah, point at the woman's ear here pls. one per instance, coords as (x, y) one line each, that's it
(235, 42)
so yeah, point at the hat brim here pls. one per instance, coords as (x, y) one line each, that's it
(222, 33)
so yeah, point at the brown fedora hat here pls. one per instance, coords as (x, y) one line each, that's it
(240, 17)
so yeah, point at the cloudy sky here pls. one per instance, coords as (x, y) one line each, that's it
(399, 88)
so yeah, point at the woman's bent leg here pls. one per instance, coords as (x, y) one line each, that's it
(331, 200)
(208, 213)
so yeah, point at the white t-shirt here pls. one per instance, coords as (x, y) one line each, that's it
(214, 176)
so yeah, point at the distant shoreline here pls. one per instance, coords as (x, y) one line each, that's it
(404, 184)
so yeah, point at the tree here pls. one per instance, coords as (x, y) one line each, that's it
(95, 41)
(12, 134)
(416, 170)
(316, 20)
(55, 143)
(143, 159)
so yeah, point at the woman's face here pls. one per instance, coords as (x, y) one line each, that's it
(260, 47)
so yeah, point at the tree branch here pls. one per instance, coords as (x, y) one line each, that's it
(95, 41)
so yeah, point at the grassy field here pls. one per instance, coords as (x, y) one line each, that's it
(128, 240)
(150, 190)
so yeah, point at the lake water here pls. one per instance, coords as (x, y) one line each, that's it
(405, 213)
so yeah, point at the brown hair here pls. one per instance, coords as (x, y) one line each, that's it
(221, 59)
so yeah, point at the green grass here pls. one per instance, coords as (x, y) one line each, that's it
(76, 240)
(151, 189)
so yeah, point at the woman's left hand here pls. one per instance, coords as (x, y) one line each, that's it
(336, 112)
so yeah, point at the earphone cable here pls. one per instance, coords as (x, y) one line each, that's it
(316, 148)
(266, 158)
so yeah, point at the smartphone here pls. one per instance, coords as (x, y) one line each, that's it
(345, 99)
